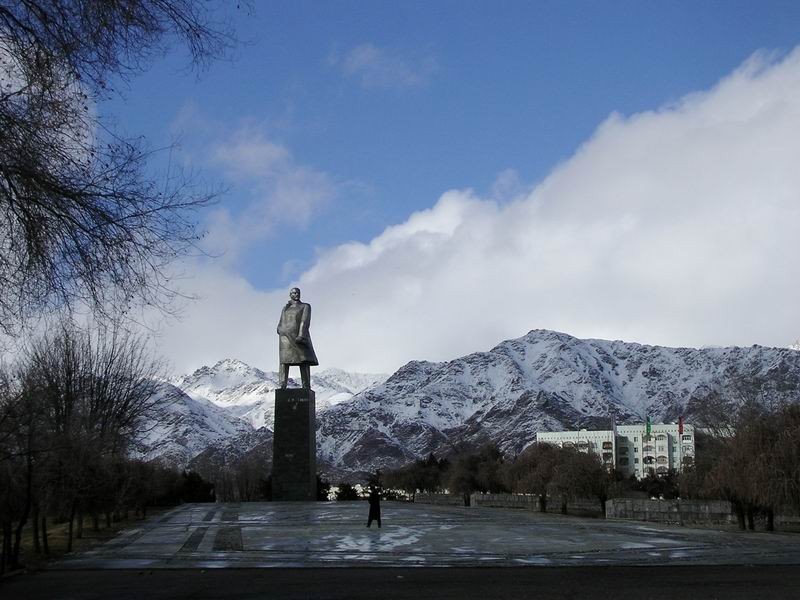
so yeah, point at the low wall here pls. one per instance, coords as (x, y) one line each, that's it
(679, 512)
(788, 518)
(440, 499)
(526, 501)
(706, 512)
(581, 507)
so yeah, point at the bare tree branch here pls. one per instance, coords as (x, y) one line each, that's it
(82, 221)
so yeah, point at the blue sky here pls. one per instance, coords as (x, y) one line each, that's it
(335, 120)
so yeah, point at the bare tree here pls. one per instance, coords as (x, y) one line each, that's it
(83, 394)
(81, 220)
(580, 475)
(754, 464)
(784, 466)
(476, 471)
(533, 471)
(12, 469)
(424, 475)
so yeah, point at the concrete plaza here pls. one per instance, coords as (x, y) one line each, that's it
(300, 534)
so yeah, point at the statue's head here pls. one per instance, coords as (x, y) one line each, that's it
(294, 294)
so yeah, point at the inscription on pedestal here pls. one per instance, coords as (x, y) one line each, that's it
(294, 445)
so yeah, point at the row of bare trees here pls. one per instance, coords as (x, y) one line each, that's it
(750, 457)
(86, 225)
(542, 469)
(239, 479)
(70, 411)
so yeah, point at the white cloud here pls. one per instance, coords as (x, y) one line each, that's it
(247, 154)
(282, 191)
(229, 318)
(677, 226)
(383, 68)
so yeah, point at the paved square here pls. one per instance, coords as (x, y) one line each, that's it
(308, 534)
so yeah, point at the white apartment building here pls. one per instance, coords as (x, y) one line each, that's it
(631, 450)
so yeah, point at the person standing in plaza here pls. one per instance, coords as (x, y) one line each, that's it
(374, 506)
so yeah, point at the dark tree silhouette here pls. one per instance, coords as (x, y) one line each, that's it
(82, 222)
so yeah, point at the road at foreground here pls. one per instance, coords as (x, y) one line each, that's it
(519, 583)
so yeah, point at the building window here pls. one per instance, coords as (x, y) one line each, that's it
(607, 446)
(687, 438)
(636, 461)
(635, 449)
(622, 449)
(635, 439)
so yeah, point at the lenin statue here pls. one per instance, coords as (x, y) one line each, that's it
(295, 342)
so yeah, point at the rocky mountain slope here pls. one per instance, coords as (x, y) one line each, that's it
(227, 410)
(248, 392)
(180, 427)
(543, 381)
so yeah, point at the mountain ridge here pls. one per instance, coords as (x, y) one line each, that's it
(541, 381)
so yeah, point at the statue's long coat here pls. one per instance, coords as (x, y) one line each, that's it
(295, 322)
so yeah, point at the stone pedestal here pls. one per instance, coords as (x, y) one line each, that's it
(294, 446)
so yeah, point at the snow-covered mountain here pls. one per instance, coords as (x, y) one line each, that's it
(249, 393)
(180, 427)
(228, 409)
(542, 381)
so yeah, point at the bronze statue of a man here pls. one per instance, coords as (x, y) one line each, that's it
(295, 341)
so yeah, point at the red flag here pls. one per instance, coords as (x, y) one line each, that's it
(680, 425)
